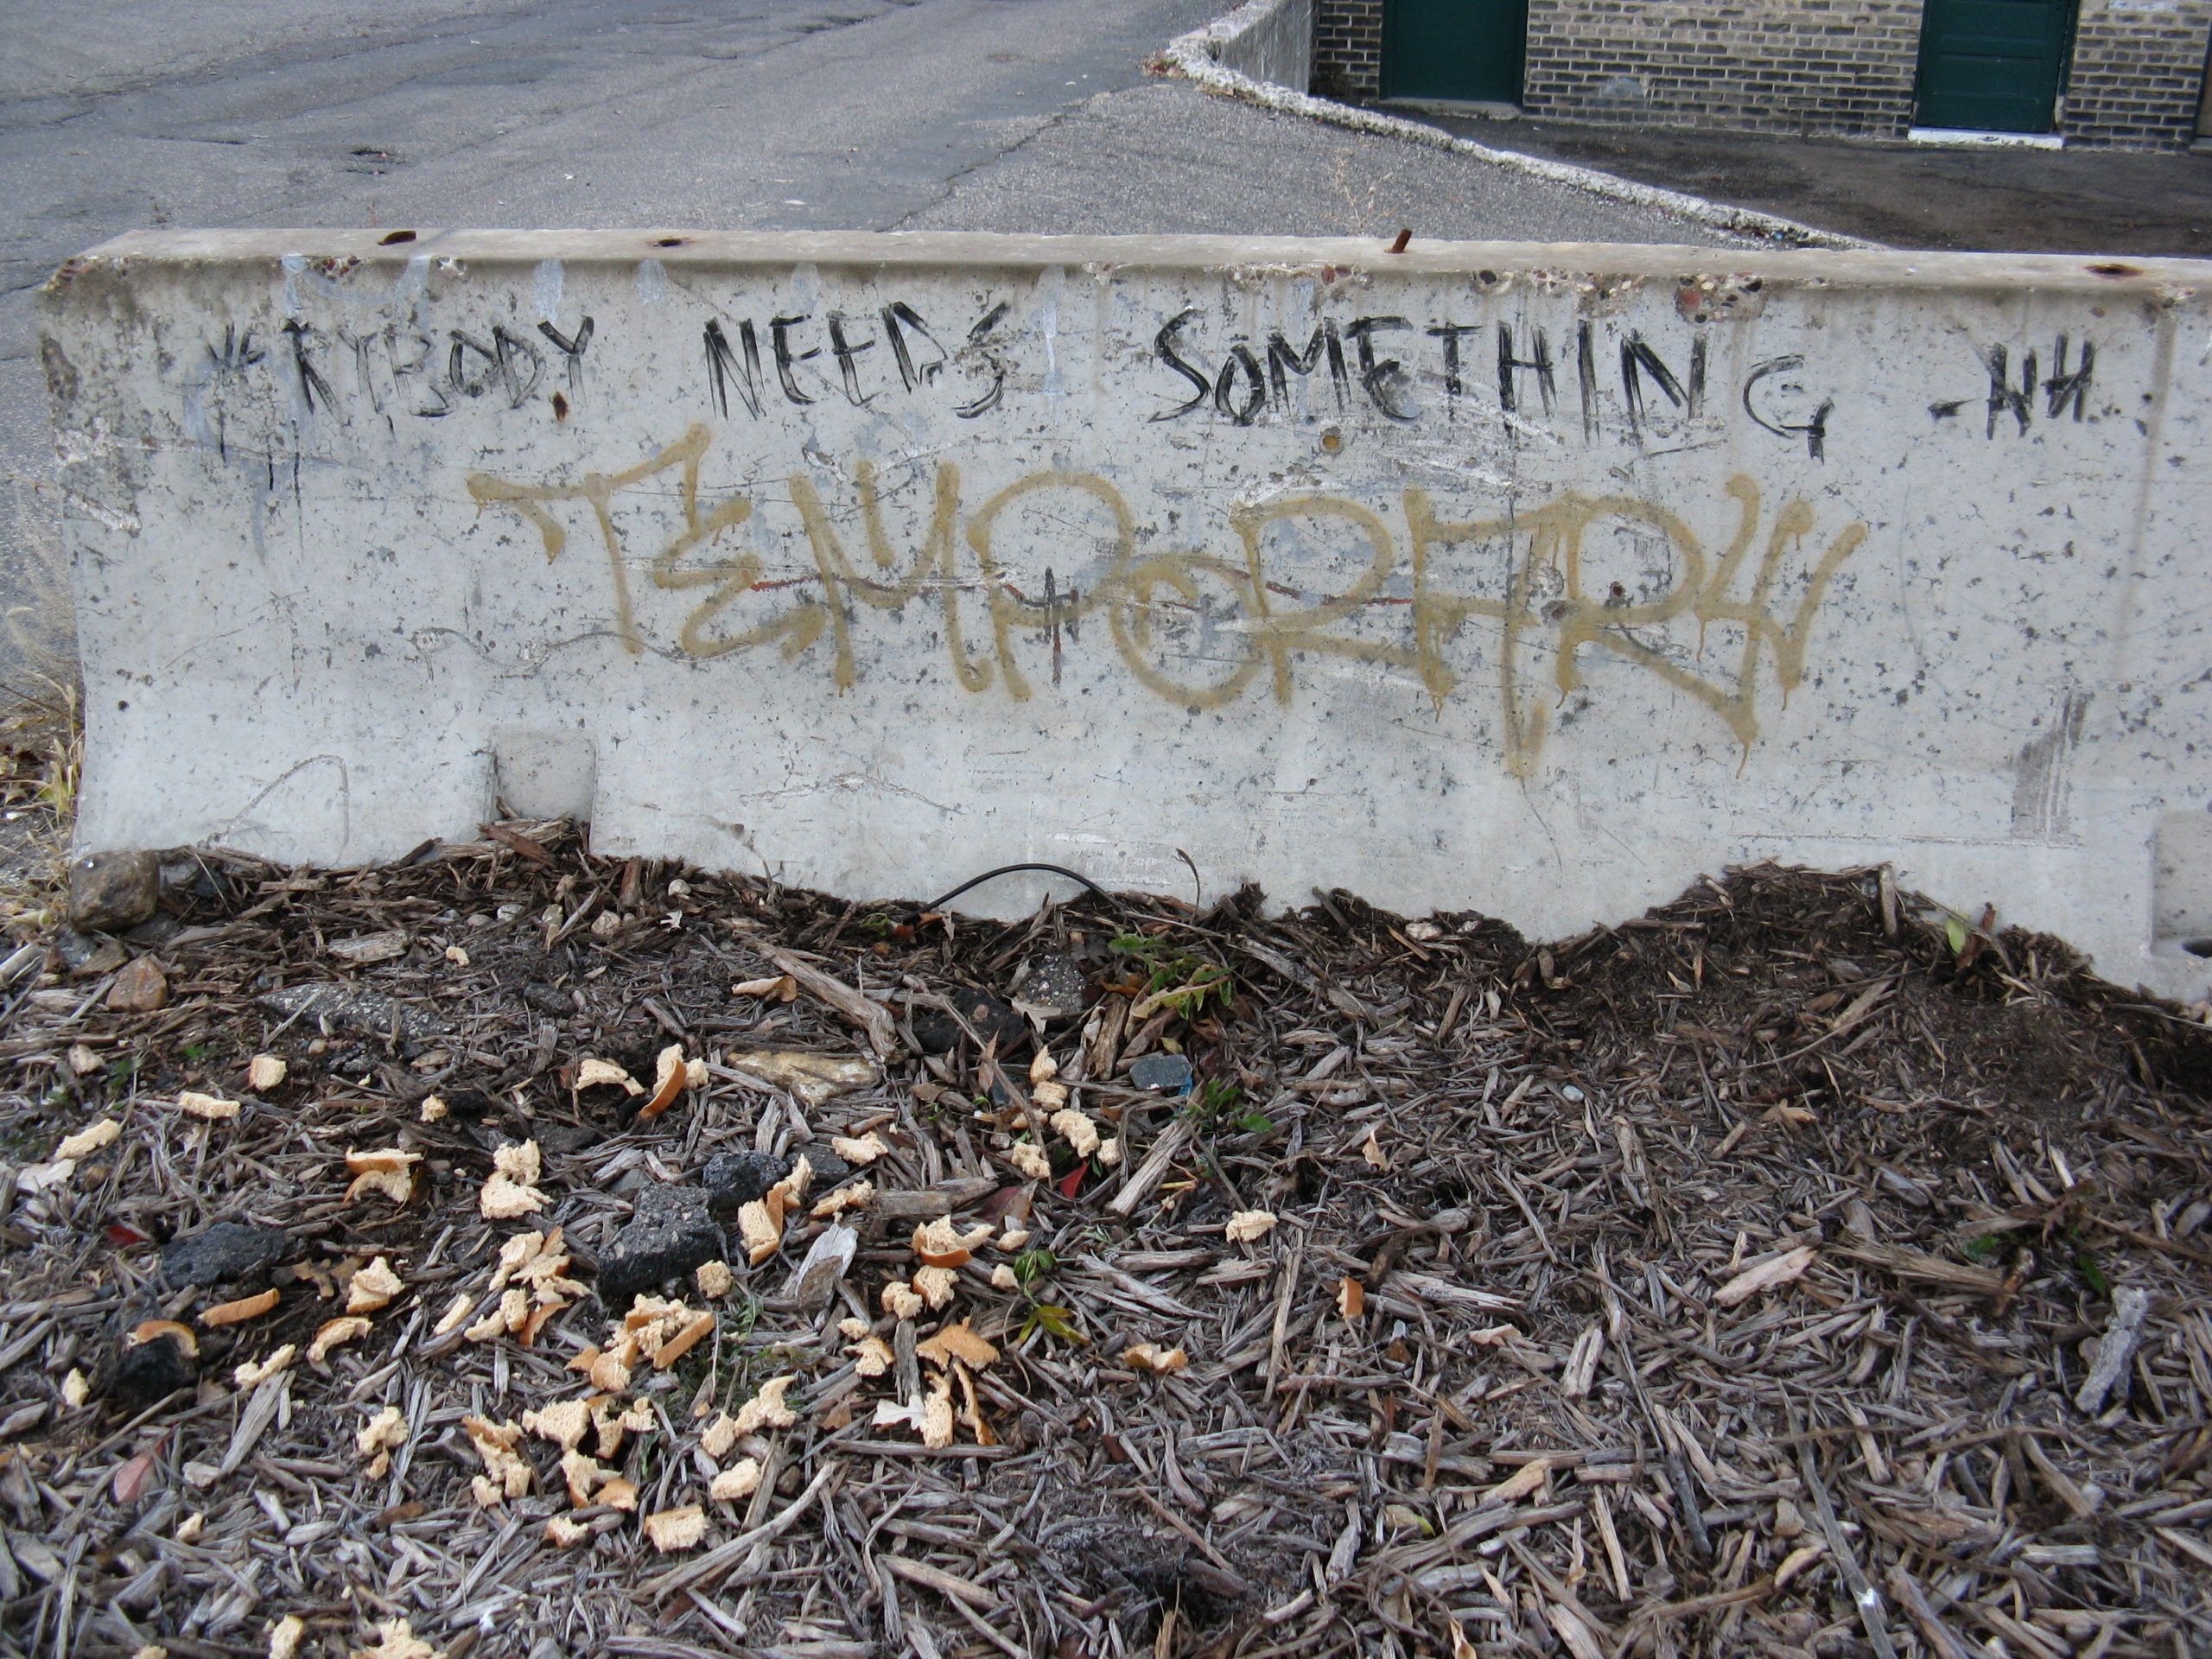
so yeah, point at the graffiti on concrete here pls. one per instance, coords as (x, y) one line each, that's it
(1399, 610)
(1602, 379)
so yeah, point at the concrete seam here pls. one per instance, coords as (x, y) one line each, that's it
(1193, 57)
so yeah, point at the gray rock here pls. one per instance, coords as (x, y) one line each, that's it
(673, 1231)
(112, 891)
(1169, 1073)
(940, 1033)
(736, 1179)
(1053, 989)
(148, 1371)
(345, 1007)
(227, 1251)
(88, 953)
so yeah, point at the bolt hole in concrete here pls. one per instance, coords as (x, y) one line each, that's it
(391, 238)
(2181, 884)
(672, 242)
(2115, 270)
(546, 774)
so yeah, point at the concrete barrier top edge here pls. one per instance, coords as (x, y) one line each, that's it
(2165, 279)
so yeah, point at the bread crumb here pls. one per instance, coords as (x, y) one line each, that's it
(565, 1422)
(740, 1479)
(252, 1376)
(284, 1636)
(1247, 1225)
(86, 1142)
(714, 1279)
(1145, 1356)
(372, 1288)
(872, 1356)
(335, 1333)
(900, 1300)
(676, 1528)
(766, 1409)
(1080, 1132)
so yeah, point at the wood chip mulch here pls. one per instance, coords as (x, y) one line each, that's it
(1797, 1270)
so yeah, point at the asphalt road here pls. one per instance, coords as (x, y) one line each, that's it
(760, 114)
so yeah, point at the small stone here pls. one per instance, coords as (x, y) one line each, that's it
(734, 1180)
(673, 1232)
(141, 987)
(1053, 989)
(85, 954)
(228, 1250)
(111, 892)
(546, 999)
(154, 931)
(939, 1033)
(368, 1012)
(1169, 1073)
(148, 1371)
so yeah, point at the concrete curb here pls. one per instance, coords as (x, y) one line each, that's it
(1196, 57)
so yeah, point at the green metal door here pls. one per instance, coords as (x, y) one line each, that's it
(1464, 49)
(1993, 66)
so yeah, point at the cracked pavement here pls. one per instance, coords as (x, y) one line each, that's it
(1007, 114)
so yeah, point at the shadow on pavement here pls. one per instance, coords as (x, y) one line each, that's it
(1907, 195)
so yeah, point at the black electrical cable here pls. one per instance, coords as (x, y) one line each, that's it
(1009, 869)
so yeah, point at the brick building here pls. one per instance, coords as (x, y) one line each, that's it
(2127, 73)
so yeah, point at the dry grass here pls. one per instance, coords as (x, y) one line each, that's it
(41, 731)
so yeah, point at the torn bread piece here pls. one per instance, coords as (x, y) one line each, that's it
(253, 1376)
(388, 1170)
(378, 1438)
(513, 1188)
(740, 1479)
(677, 1528)
(372, 1288)
(506, 1473)
(766, 1409)
(1247, 1225)
(860, 1151)
(335, 1333)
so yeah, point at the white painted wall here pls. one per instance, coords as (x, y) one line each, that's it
(359, 541)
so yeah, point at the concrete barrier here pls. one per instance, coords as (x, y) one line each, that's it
(1270, 41)
(1532, 579)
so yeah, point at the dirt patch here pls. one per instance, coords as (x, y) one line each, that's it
(1655, 1291)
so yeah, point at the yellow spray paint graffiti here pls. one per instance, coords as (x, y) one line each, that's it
(1546, 605)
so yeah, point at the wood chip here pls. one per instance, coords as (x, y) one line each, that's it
(1784, 1269)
